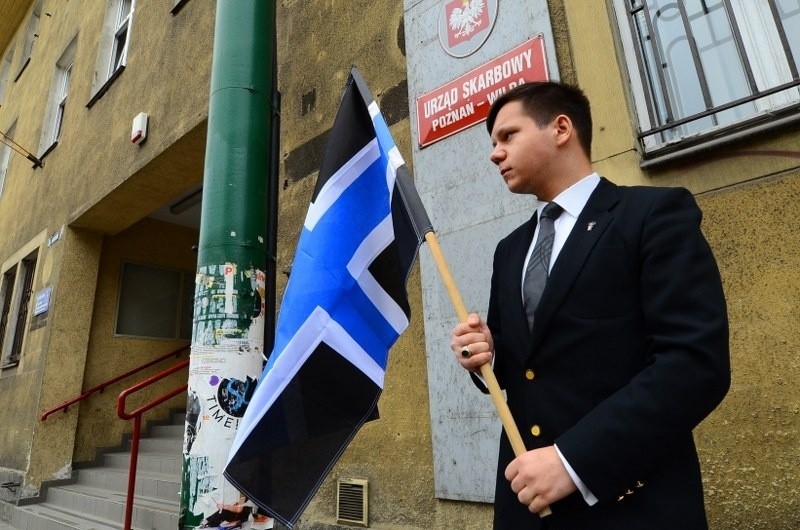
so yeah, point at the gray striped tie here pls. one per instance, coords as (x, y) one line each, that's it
(539, 265)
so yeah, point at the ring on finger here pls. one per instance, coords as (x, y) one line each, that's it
(465, 353)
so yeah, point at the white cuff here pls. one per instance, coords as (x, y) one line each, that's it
(588, 496)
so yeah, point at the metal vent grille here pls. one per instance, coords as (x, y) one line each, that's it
(352, 506)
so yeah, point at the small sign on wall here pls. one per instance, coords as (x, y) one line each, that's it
(42, 301)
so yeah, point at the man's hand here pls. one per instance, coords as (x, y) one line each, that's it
(539, 478)
(472, 343)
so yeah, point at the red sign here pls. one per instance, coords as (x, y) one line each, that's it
(465, 101)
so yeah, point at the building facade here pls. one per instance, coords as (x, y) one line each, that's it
(97, 232)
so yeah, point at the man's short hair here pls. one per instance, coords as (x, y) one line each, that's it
(544, 100)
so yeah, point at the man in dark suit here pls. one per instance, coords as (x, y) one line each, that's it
(627, 350)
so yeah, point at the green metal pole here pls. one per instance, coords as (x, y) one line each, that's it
(229, 311)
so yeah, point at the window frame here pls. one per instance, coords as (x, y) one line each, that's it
(61, 101)
(5, 155)
(121, 39)
(647, 124)
(30, 37)
(16, 318)
(177, 6)
(59, 93)
(111, 58)
(5, 74)
(8, 282)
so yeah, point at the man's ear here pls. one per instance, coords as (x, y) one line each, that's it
(563, 128)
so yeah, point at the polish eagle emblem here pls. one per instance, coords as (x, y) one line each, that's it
(465, 19)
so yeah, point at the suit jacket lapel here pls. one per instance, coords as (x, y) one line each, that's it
(576, 249)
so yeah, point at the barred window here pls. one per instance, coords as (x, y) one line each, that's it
(17, 289)
(704, 69)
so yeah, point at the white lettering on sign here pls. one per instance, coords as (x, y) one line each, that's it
(494, 94)
(497, 74)
(453, 116)
(465, 101)
(441, 103)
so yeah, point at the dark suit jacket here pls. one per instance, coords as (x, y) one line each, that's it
(629, 352)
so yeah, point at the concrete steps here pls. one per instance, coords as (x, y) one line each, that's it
(95, 497)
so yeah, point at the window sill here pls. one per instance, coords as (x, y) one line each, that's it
(22, 68)
(178, 6)
(104, 88)
(48, 150)
(656, 160)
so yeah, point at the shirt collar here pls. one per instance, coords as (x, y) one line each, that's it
(574, 198)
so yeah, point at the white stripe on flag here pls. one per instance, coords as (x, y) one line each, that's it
(318, 327)
(375, 243)
(374, 110)
(286, 366)
(340, 340)
(340, 181)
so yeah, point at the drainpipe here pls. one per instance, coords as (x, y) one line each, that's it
(229, 307)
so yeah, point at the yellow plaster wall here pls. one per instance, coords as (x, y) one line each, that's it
(750, 446)
(148, 242)
(749, 193)
(315, 54)
(94, 181)
(19, 415)
(63, 358)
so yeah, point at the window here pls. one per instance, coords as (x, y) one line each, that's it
(114, 43)
(5, 155)
(155, 302)
(5, 73)
(54, 118)
(61, 100)
(701, 69)
(30, 37)
(17, 288)
(121, 34)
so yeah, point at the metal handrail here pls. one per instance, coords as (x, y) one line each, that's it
(136, 416)
(102, 386)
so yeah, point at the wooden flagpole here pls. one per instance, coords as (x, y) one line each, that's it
(486, 371)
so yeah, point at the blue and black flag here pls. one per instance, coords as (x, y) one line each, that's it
(345, 305)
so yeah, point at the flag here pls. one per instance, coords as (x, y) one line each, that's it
(345, 305)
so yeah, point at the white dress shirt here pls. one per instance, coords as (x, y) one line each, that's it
(572, 200)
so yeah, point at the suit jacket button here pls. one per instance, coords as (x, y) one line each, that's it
(536, 430)
(529, 374)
